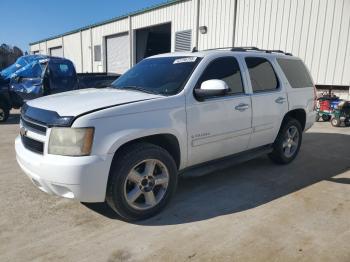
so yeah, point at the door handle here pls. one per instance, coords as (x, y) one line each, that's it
(280, 100)
(242, 107)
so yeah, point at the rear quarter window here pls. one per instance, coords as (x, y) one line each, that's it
(296, 72)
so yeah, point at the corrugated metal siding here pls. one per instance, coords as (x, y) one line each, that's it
(34, 48)
(315, 30)
(86, 44)
(54, 43)
(218, 16)
(72, 50)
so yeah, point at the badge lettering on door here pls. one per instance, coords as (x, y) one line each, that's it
(200, 135)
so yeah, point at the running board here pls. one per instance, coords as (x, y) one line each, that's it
(222, 163)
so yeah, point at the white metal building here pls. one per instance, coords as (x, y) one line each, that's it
(318, 31)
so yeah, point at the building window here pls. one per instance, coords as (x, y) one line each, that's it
(183, 40)
(97, 53)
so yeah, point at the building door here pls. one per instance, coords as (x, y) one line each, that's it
(118, 53)
(56, 51)
(153, 40)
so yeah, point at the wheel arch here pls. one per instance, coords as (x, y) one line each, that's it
(167, 141)
(298, 114)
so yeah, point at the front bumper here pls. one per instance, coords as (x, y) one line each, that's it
(81, 178)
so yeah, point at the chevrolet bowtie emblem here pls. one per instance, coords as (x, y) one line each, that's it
(23, 131)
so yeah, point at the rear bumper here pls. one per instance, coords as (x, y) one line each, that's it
(310, 120)
(81, 178)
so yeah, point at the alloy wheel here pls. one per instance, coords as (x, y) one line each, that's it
(291, 141)
(146, 184)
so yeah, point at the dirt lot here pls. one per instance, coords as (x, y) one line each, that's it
(256, 211)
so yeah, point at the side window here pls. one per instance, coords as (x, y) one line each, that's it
(296, 72)
(61, 69)
(262, 75)
(226, 69)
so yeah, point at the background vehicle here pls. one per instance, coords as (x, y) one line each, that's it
(325, 106)
(5, 100)
(341, 114)
(171, 114)
(51, 75)
(34, 76)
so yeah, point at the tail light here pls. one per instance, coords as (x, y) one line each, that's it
(315, 98)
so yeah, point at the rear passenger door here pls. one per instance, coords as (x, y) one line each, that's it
(269, 101)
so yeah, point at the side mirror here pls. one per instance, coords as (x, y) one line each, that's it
(211, 88)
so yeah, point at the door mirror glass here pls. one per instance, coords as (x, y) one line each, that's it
(211, 88)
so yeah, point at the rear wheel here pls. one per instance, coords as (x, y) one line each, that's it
(287, 143)
(142, 181)
(4, 112)
(335, 122)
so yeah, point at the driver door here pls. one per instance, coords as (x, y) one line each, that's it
(219, 126)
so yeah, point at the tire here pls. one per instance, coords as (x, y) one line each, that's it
(326, 118)
(335, 122)
(129, 193)
(4, 112)
(286, 147)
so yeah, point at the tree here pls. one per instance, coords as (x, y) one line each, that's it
(8, 55)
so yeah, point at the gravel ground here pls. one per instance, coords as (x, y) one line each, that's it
(255, 211)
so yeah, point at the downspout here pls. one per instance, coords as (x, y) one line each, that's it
(92, 58)
(197, 24)
(234, 24)
(62, 40)
(131, 46)
(81, 52)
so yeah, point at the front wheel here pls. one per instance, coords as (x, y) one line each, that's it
(287, 143)
(335, 122)
(142, 181)
(4, 112)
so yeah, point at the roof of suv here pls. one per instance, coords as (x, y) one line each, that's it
(236, 50)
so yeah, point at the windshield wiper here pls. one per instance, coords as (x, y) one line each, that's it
(137, 88)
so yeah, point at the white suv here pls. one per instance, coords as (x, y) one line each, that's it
(170, 115)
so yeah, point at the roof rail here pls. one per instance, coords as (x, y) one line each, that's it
(249, 48)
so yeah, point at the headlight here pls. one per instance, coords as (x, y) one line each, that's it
(71, 141)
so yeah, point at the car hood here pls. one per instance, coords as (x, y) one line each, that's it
(78, 102)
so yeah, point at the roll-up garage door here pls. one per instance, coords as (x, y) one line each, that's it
(118, 53)
(56, 51)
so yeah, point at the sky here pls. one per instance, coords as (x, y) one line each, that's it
(26, 21)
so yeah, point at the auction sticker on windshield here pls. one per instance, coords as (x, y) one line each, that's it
(185, 60)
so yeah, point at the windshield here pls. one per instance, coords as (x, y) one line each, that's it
(164, 75)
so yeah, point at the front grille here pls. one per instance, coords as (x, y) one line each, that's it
(33, 126)
(33, 145)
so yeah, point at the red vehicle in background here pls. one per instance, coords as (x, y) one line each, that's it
(326, 105)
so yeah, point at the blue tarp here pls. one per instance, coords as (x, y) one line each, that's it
(25, 66)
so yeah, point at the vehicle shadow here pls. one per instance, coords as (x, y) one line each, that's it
(12, 120)
(251, 184)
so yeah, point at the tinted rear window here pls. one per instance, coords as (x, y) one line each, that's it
(296, 72)
(262, 75)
